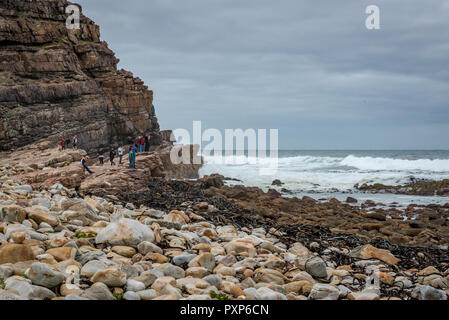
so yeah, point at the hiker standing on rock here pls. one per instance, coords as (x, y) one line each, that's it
(132, 158)
(84, 164)
(147, 143)
(111, 156)
(75, 142)
(142, 144)
(120, 155)
(135, 155)
(63, 144)
(101, 158)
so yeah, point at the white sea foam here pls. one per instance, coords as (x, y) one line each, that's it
(327, 173)
(389, 164)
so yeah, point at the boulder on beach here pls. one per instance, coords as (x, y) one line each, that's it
(370, 252)
(12, 253)
(125, 232)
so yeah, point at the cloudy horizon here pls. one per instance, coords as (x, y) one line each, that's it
(311, 70)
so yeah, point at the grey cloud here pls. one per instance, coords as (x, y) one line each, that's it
(309, 68)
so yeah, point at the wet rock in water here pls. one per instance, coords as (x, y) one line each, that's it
(125, 232)
(277, 182)
(351, 200)
(286, 191)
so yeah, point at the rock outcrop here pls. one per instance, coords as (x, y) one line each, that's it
(194, 253)
(43, 166)
(419, 187)
(56, 83)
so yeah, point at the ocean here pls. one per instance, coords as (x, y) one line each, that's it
(324, 174)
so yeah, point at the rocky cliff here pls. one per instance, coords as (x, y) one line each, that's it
(56, 83)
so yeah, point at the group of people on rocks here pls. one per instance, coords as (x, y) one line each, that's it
(142, 143)
(136, 145)
(65, 143)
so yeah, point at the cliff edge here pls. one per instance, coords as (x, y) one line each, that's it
(56, 83)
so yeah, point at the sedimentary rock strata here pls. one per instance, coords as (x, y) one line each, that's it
(56, 83)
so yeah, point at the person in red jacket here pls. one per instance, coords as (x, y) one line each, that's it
(63, 144)
(142, 144)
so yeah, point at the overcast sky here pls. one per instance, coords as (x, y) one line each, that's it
(308, 68)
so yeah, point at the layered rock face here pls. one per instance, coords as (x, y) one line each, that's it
(56, 83)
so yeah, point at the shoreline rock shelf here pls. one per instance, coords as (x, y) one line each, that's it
(98, 249)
